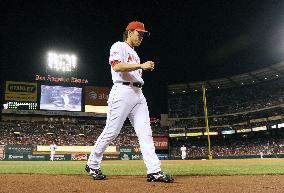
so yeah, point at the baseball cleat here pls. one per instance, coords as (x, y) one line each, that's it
(97, 174)
(160, 177)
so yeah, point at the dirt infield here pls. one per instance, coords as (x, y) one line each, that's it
(132, 184)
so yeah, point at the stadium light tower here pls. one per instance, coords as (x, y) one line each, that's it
(61, 62)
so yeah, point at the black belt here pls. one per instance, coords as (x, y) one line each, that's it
(136, 84)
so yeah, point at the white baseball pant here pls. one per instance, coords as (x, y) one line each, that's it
(127, 101)
(183, 155)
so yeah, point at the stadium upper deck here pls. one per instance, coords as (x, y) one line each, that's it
(270, 73)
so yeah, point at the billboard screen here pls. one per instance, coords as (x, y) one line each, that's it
(21, 91)
(60, 98)
(96, 99)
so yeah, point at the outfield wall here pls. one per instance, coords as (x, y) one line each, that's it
(40, 153)
(29, 153)
(233, 157)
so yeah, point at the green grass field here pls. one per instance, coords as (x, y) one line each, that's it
(137, 168)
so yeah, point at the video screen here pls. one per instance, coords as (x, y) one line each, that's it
(60, 98)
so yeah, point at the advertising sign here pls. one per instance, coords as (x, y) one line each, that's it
(73, 149)
(126, 149)
(131, 156)
(243, 130)
(78, 157)
(36, 157)
(126, 156)
(14, 157)
(228, 132)
(161, 143)
(194, 134)
(62, 157)
(163, 156)
(211, 133)
(19, 149)
(177, 134)
(261, 128)
(21, 91)
(130, 153)
(96, 99)
(111, 156)
(96, 96)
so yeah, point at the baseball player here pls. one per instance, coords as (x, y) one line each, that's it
(261, 154)
(183, 152)
(52, 148)
(126, 99)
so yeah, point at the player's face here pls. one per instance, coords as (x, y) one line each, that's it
(136, 37)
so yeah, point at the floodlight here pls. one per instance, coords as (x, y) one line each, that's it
(61, 61)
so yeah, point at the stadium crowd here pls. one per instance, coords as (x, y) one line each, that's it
(85, 133)
(238, 99)
(233, 147)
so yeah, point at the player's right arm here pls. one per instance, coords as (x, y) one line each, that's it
(123, 67)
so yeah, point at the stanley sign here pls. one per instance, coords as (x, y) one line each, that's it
(21, 91)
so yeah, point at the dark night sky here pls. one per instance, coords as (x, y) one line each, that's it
(190, 40)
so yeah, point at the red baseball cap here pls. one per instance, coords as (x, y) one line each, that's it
(137, 26)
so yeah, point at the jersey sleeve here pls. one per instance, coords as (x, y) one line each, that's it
(116, 54)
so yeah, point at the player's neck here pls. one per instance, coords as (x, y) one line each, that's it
(129, 43)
